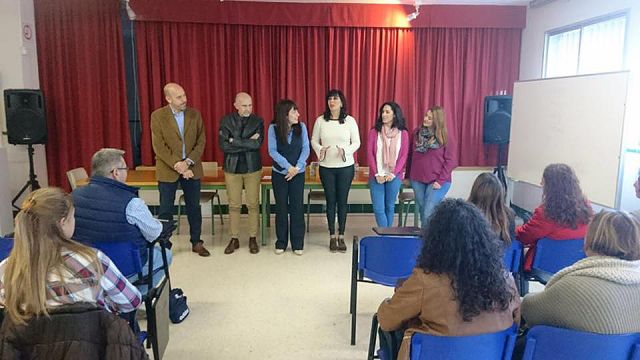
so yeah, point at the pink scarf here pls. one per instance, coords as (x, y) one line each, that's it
(389, 147)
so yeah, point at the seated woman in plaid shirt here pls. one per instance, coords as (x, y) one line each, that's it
(47, 269)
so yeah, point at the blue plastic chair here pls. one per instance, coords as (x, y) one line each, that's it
(496, 346)
(6, 245)
(126, 256)
(380, 260)
(546, 342)
(512, 257)
(555, 255)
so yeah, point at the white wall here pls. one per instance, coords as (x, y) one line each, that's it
(18, 70)
(561, 13)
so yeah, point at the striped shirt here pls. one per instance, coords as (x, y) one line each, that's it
(78, 281)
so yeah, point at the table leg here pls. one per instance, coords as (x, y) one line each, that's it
(263, 189)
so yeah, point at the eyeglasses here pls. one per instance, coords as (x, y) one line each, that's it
(120, 168)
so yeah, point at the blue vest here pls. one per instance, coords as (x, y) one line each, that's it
(101, 213)
(291, 152)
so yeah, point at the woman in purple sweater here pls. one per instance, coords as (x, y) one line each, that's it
(388, 146)
(430, 162)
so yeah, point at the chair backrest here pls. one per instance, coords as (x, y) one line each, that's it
(555, 255)
(75, 175)
(124, 254)
(496, 346)
(209, 167)
(546, 342)
(146, 167)
(387, 259)
(512, 257)
(6, 245)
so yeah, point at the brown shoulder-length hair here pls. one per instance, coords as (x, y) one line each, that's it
(562, 198)
(487, 194)
(37, 251)
(439, 124)
(614, 233)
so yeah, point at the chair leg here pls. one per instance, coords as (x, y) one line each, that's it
(219, 209)
(400, 210)
(179, 215)
(354, 288)
(372, 337)
(308, 208)
(213, 222)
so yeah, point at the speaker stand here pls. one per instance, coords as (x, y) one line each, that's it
(33, 181)
(499, 169)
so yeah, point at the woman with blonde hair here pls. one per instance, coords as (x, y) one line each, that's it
(487, 194)
(47, 269)
(600, 293)
(430, 162)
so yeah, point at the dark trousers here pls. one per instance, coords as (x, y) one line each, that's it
(289, 197)
(191, 190)
(336, 183)
(390, 342)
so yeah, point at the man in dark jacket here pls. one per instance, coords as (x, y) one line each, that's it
(240, 136)
(109, 210)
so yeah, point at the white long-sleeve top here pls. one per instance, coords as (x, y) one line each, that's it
(331, 133)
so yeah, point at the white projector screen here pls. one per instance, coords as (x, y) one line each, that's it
(575, 120)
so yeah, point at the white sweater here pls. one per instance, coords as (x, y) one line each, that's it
(333, 134)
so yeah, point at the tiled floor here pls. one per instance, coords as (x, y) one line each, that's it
(269, 306)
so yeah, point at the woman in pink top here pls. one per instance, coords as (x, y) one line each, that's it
(387, 149)
(430, 162)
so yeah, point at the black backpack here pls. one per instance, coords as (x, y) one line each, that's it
(178, 309)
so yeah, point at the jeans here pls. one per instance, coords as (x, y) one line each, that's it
(383, 199)
(427, 197)
(336, 183)
(158, 273)
(289, 197)
(191, 190)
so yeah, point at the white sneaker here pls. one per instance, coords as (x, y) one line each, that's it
(298, 252)
(278, 251)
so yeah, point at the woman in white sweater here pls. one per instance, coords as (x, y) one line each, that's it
(600, 293)
(335, 139)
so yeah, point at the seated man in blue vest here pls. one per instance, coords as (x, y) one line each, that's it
(107, 209)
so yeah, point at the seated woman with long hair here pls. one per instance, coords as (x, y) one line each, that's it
(459, 286)
(487, 194)
(47, 269)
(600, 293)
(564, 213)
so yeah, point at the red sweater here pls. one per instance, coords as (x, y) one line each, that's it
(542, 227)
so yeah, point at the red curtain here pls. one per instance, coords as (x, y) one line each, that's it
(80, 63)
(417, 68)
(214, 62)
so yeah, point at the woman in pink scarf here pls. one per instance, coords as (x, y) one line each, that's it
(388, 146)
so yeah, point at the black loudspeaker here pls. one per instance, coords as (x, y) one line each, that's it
(25, 113)
(497, 119)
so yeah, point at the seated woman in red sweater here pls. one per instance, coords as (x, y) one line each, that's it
(564, 213)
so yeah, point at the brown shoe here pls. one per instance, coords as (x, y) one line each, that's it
(342, 247)
(253, 245)
(333, 244)
(200, 249)
(233, 245)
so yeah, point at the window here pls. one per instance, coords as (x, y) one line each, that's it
(586, 48)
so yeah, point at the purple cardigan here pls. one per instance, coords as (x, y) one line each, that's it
(432, 165)
(372, 148)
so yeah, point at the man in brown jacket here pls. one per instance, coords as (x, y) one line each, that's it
(178, 138)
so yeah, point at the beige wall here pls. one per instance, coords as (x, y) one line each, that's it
(18, 70)
(561, 13)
